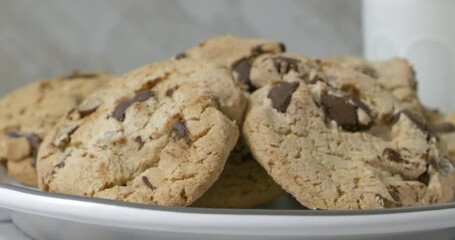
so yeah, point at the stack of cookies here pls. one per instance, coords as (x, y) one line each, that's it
(234, 123)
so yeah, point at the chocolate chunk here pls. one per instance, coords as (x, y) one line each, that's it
(282, 47)
(88, 108)
(316, 79)
(170, 91)
(77, 74)
(257, 50)
(444, 127)
(62, 161)
(13, 134)
(394, 193)
(64, 136)
(393, 155)
(180, 56)
(138, 139)
(243, 69)
(284, 65)
(119, 111)
(424, 177)
(180, 131)
(369, 71)
(343, 110)
(147, 183)
(418, 122)
(281, 95)
(34, 141)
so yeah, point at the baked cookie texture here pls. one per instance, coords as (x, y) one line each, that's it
(442, 125)
(30, 112)
(234, 53)
(396, 75)
(336, 139)
(243, 183)
(160, 134)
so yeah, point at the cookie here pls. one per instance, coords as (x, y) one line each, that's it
(336, 139)
(242, 184)
(396, 75)
(234, 53)
(31, 111)
(442, 125)
(155, 136)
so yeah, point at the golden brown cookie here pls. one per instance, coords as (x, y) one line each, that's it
(336, 139)
(158, 135)
(30, 112)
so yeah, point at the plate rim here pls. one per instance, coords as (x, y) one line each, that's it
(234, 222)
(227, 211)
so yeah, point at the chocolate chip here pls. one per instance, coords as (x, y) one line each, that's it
(392, 155)
(77, 74)
(88, 107)
(282, 47)
(284, 65)
(170, 91)
(369, 71)
(424, 177)
(444, 127)
(139, 141)
(180, 131)
(243, 69)
(281, 95)
(147, 183)
(257, 50)
(62, 161)
(394, 193)
(34, 141)
(180, 56)
(13, 134)
(64, 136)
(344, 111)
(119, 111)
(416, 120)
(316, 79)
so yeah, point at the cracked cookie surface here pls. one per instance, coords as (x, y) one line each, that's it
(396, 75)
(30, 112)
(335, 139)
(155, 136)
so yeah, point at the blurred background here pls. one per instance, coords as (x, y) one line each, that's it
(42, 39)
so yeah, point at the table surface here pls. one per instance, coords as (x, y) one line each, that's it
(8, 231)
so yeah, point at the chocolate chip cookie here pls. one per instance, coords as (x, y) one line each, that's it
(234, 53)
(31, 111)
(158, 135)
(243, 182)
(336, 139)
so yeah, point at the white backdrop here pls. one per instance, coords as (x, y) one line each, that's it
(40, 39)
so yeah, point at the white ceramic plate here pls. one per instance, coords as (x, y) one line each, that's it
(51, 216)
